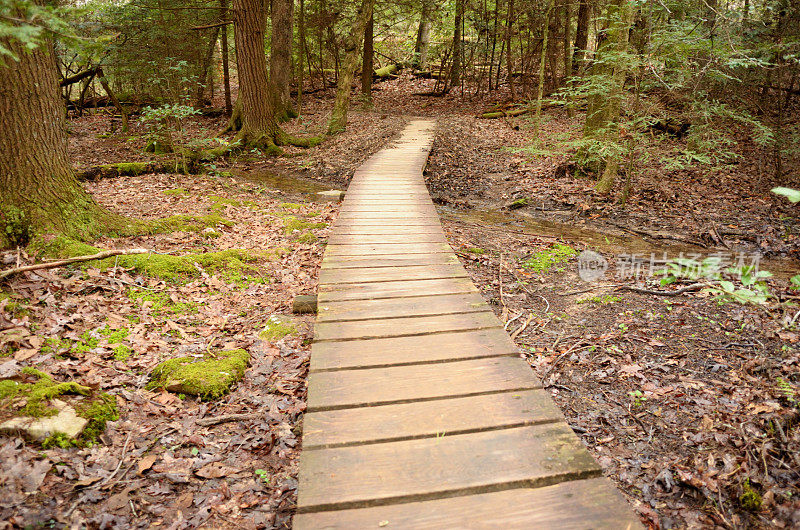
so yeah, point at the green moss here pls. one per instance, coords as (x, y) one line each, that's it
(60, 440)
(176, 192)
(476, 250)
(98, 411)
(219, 203)
(13, 307)
(750, 499)
(546, 260)
(519, 203)
(290, 205)
(184, 223)
(606, 299)
(122, 352)
(292, 223)
(127, 169)
(114, 336)
(307, 238)
(37, 393)
(164, 266)
(277, 328)
(161, 302)
(209, 377)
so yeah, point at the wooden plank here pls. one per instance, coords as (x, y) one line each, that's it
(415, 349)
(401, 327)
(382, 274)
(424, 419)
(403, 384)
(445, 304)
(394, 289)
(414, 470)
(338, 238)
(591, 504)
(388, 260)
(386, 248)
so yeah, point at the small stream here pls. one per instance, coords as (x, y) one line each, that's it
(606, 242)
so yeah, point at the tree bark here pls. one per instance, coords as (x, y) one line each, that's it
(280, 66)
(338, 120)
(420, 60)
(581, 37)
(38, 190)
(509, 56)
(455, 68)
(301, 70)
(367, 61)
(539, 92)
(205, 67)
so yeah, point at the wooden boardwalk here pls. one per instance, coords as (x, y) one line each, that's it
(420, 412)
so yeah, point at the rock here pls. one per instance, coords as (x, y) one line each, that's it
(519, 203)
(10, 369)
(304, 303)
(331, 195)
(65, 421)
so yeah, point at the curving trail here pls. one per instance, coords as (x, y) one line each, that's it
(420, 412)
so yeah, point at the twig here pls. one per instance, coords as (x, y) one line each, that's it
(522, 327)
(119, 464)
(508, 323)
(226, 418)
(77, 259)
(677, 292)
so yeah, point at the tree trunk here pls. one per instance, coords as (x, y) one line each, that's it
(581, 37)
(38, 190)
(539, 92)
(280, 66)
(226, 73)
(301, 77)
(420, 60)
(338, 120)
(455, 68)
(367, 62)
(259, 124)
(205, 67)
(604, 109)
(509, 56)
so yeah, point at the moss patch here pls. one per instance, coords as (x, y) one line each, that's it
(546, 260)
(176, 192)
(606, 299)
(290, 205)
(219, 203)
(750, 499)
(476, 250)
(292, 223)
(184, 223)
(30, 398)
(161, 303)
(163, 266)
(277, 328)
(208, 377)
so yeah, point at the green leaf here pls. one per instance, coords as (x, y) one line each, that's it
(791, 194)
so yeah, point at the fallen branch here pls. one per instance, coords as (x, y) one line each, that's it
(69, 261)
(677, 292)
(504, 113)
(227, 418)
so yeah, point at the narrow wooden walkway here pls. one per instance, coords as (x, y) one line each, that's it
(420, 412)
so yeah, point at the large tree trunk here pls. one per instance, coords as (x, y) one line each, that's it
(367, 62)
(259, 125)
(581, 37)
(420, 60)
(510, 17)
(280, 66)
(38, 191)
(604, 108)
(338, 120)
(205, 67)
(455, 68)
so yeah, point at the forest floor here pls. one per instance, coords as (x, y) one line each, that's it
(689, 404)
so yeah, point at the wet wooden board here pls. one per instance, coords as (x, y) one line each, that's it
(414, 349)
(383, 274)
(404, 326)
(368, 249)
(398, 384)
(393, 289)
(421, 412)
(591, 504)
(424, 419)
(445, 304)
(415, 470)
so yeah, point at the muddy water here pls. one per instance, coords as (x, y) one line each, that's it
(282, 181)
(606, 242)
